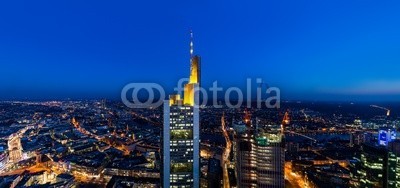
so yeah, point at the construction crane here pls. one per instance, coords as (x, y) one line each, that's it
(383, 108)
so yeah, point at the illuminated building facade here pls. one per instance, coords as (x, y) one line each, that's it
(260, 157)
(369, 171)
(14, 149)
(181, 134)
(377, 166)
(386, 135)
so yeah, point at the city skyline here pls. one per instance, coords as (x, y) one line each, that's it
(311, 51)
(200, 94)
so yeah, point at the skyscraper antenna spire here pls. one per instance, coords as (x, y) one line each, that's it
(191, 43)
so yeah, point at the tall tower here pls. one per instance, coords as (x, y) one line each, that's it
(181, 134)
(260, 155)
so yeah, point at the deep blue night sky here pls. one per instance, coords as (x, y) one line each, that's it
(311, 49)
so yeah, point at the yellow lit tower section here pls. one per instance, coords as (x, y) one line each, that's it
(194, 78)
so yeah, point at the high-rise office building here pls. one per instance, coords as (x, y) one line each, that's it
(394, 164)
(260, 156)
(377, 166)
(181, 134)
(370, 170)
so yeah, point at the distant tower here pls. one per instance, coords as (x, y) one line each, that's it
(351, 144)
(103, 103)
(181, 133)
(286, 119)
(15, 149)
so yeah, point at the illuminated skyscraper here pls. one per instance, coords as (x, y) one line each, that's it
(181, 134)
(371, 168)
(260, 156)
(377, 166)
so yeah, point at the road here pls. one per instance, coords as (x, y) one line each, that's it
(32, 169)
(227, 151)
(344, 165)
(295, 179)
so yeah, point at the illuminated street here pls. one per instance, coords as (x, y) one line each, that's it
(294, 179)
(33, 169)
(226, 153)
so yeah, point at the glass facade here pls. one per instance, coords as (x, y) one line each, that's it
(181, 153)
(260, 158)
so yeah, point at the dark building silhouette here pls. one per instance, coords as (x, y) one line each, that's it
(214, 173)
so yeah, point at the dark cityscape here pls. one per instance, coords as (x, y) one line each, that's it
(202, 94)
